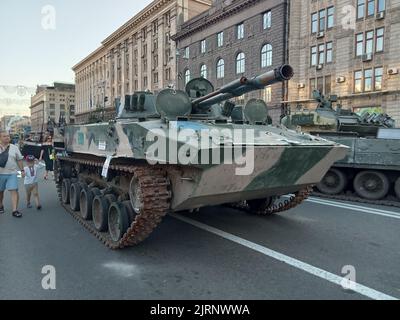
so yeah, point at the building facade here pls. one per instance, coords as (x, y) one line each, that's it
(349, 48)
(236, 38)
(138, 56)
(51, 102)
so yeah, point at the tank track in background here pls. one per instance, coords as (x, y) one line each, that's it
(156, 197)
(352, 196)
(286, 205)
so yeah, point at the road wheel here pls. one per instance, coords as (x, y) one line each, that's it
(86, 200)
(371, 185)
(260, 205)
(334, 182)
(397, 188)
(118, 221)
(75, 193)
(65, 188)
(100, 209)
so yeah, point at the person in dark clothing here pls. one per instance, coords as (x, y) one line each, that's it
(46, 155)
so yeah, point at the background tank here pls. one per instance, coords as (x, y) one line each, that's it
(371, 170)
(183, 150)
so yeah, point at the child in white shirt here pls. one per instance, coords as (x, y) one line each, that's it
(31, 181)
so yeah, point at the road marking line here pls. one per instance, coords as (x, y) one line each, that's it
(384, 213)
(320, 273)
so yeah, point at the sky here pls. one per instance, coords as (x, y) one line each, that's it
(40, 41)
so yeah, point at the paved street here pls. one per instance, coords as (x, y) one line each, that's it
(218, 253)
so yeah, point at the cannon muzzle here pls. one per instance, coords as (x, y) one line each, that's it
(244, 85)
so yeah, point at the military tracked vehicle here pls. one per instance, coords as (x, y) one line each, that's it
(371, 171)
(184, 150)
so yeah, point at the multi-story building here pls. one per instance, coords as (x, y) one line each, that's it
(20, 124)
(51, 102)
(349, 48)
(138, 56)
(236, 38)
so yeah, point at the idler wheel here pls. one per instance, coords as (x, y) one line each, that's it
(100, 207)
(65, 189)
(118, 221)
(333, 183)
(260, 204)
(371, 185)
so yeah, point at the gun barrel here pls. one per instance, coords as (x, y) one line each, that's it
(238, 88)
(224, 89)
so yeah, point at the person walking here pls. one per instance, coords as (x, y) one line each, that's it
(31, 181)
(10, 161)
(46, 155)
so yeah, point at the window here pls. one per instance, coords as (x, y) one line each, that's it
(371, 8)
(186, 53)
(220, 69)
(369, 43)
(379, 40)
(155, 27)
(329, 52)
(240, 63)
(145, 82)
(267, 94)
(368, 80)
(314, 23)
(360, 9)
(359, 44)
(358, 81)
(203, 46)
(378, 78)
(314, 56)
(267, 20)
(240, 31)
(168, 74)
(321, 55)
(187, 76)
(220, 39)
(331, 17)
(323, 84)
(322, 20)
(155, 77)
(381, 5)
(266, 56)
(203, 71)
(168, 18)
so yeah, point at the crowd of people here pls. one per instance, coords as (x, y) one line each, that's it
(14, 165)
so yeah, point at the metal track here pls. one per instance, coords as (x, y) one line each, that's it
(286, 205)
(352, 196)
(156, 196)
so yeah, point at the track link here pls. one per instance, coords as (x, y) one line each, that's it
(156, 197)
(286, 205)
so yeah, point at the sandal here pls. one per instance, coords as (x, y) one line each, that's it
(1, 210)
(39, 208)
(17, 214)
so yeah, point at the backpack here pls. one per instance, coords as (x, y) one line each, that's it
(4, 157)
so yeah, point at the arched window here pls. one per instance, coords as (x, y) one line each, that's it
(266, 56)
(203, 71)
(220, 69)
(187, 76)
(240, 63)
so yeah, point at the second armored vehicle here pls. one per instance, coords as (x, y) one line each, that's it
(371, 170)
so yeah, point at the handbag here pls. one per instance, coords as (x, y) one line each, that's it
(4, 157)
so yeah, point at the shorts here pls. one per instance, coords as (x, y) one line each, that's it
(8, 182)
(31, 187)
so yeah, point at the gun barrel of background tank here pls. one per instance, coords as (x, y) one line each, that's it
(283, 73)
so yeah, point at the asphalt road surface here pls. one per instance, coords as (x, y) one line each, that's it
(218, 253)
